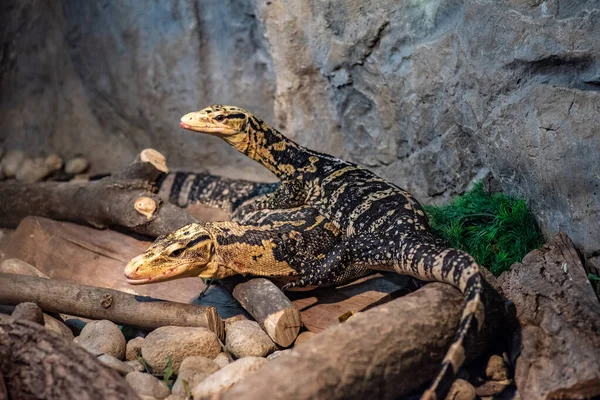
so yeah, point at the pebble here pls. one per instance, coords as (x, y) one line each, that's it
(28, 312)
(103, 336)
(58, 327)
(121, 367)
(222, 359)
(175, 397)
(178, 343)
(193, 370)
(136, 365)
(247, 339)
(496, 368)
(53, 162)
(76, 165)
(16, 266)
(304, 337)
(228, 376)
(134, 348)
(147, 385)
(278, 354)
(461, 390)
(11, 162)
(32, 170)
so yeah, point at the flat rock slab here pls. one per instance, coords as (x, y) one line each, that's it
(323, 308)
(559, 352)
(89, 256)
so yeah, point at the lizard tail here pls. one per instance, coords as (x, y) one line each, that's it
(435, 263)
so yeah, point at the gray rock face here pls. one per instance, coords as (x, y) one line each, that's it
(432, 95)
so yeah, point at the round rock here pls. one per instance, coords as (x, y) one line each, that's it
(496, 368)
(11, 162)
(121, 367)
(53, 162)
(179, 343)
(102, 336)
(16, 266)
(147, 385)
(32, 170)
(134, 348)
(461, 390)
(222, 359)
(247, 339)
(58, 327)
(194, 370)
(228, 376)
(278, 354)
(76, 165)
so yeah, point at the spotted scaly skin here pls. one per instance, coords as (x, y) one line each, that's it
(384, 227)
(279, 244)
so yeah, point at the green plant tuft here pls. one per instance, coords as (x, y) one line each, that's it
(496, 229)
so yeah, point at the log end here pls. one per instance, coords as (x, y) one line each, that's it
(283, 326)
(155, 158)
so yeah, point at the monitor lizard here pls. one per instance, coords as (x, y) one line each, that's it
(383, 226)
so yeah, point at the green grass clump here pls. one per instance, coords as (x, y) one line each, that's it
(496, 229)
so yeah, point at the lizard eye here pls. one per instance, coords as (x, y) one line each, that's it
(219, 118)
(177, 253)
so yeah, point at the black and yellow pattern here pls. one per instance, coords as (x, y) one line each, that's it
(383, 226)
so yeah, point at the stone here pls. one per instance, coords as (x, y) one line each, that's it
(178, 343)
(222, 359)
(32, 170)
(53, 162)
(120, 366)
(57, 326)
(77, 165)
(228, 376)
(247, 339)
(28, 312)
(16, 266)
(134, 348)
(11, 162)
(496, 368)
(461, 390)
(102, 336)
(278, 354)
(136, 365)
(193, 370)
(147, 385)
(304, 337)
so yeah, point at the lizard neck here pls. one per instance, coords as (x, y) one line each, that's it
(267, 146)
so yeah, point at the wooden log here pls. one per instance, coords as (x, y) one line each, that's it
(270, 307)
(383, 353)
(127, 200)
(37, 364)
(59, 296)
(557, 348)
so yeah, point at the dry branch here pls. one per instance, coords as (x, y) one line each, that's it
(270, 307)
(59, 296)
(37, 364)
(127, 200)
(383, 353)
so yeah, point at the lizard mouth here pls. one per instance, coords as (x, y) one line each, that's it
(178, 271)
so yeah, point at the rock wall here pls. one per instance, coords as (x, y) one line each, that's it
(431, 94)
(109, 78)
(434, 94)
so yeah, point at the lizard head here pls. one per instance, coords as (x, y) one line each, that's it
(185, 252)
(226, 122)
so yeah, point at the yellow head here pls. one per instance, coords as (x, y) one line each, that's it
(185, 252)
(226, 122)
